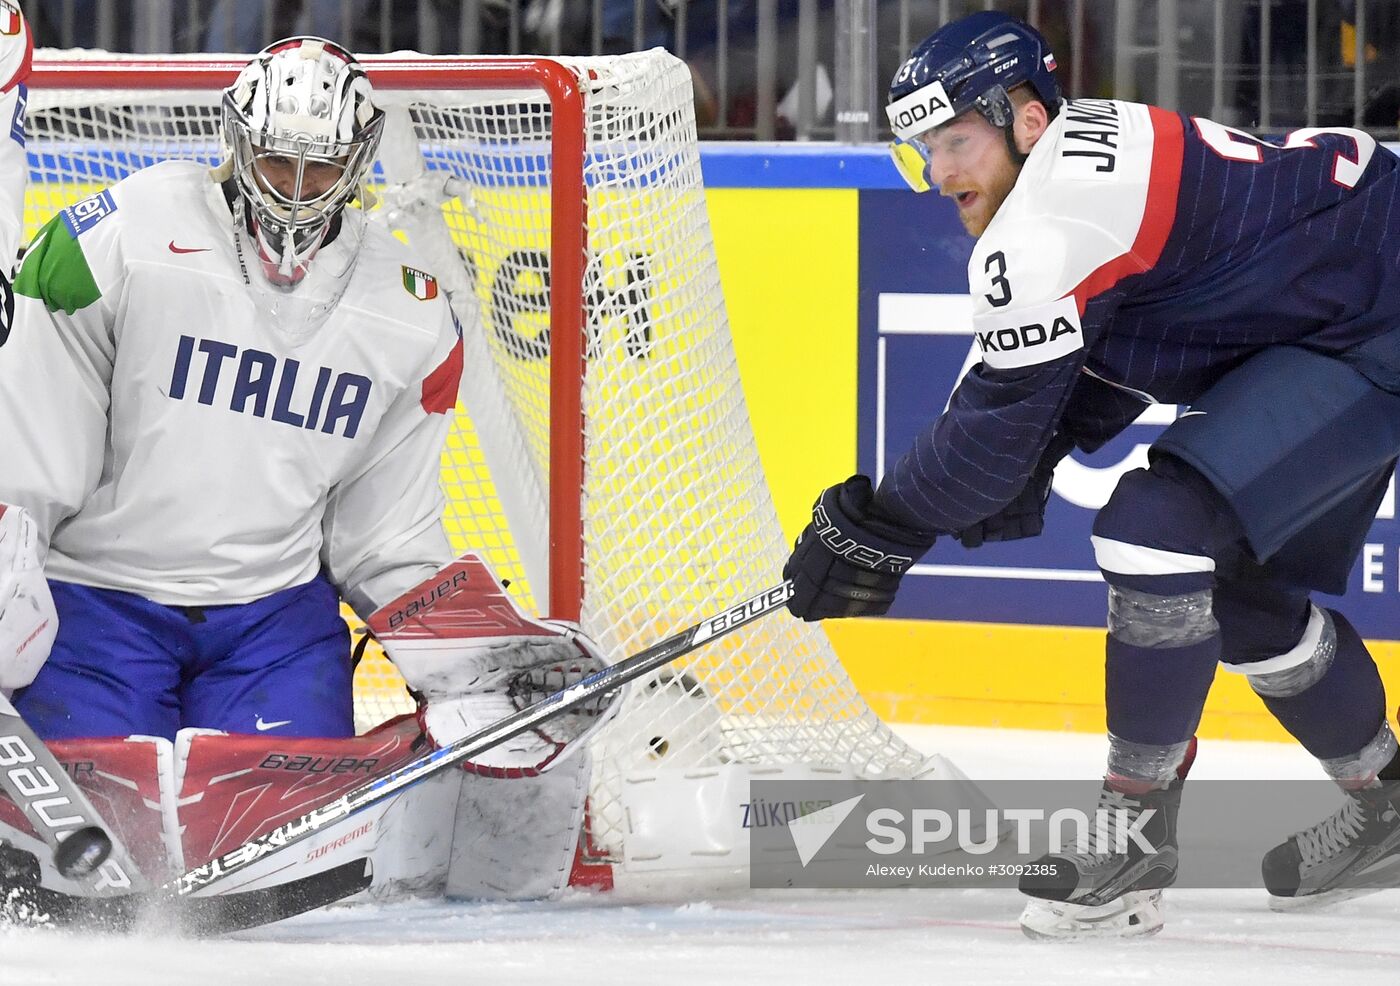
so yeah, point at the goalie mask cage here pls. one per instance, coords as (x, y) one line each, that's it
(602, 458)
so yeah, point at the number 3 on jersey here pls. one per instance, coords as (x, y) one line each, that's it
(1236, 145)
(999, 281)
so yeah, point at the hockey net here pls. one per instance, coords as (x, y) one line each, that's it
(560, 205)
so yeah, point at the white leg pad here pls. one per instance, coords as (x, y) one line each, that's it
(515, 838)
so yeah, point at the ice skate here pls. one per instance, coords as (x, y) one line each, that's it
(1115, 893)
(1351, 853)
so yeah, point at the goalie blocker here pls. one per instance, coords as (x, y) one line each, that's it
(505, 827)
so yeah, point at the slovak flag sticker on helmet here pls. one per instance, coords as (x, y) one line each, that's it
(1049, 62)
(421, 285)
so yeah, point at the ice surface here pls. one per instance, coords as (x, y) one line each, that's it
(779, 937)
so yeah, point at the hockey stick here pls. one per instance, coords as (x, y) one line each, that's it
(58, 811)
(24, 901)
(577, 694)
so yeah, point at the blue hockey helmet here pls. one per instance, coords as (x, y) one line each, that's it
(970, 63)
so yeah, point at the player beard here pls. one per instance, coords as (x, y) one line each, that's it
(979, 215)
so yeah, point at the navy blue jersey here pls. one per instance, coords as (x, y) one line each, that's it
(1141, 256)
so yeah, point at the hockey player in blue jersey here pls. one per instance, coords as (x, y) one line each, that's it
(1128, 255)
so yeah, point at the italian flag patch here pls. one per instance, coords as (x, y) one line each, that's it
(421, 285)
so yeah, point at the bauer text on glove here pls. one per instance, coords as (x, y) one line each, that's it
(848, 561)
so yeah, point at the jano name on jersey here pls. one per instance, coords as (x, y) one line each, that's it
(1091, 131)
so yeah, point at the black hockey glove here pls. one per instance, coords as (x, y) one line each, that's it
(848, 561)
(1023, 517)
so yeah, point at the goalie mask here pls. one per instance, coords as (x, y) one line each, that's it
(302, 131)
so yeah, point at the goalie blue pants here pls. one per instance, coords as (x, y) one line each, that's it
(124, 665)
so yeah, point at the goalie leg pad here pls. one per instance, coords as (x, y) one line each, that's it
(129, 783)
(515, 838)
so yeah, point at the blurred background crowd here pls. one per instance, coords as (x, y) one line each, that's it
(817, 69)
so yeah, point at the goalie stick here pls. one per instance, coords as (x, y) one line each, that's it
(57, 809)
(24, 901)
(580, 693)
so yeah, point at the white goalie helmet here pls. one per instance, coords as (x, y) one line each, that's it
(302, 130)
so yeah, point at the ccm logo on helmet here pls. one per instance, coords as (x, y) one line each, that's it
(1029, 336)
(921, 110)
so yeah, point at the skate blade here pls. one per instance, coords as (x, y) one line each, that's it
(1385, 875)
(1321, 901)
(1136, 914)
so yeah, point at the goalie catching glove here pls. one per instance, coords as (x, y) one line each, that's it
(474, 658)
(28, 620)
(849, 559)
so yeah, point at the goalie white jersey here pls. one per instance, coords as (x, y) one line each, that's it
(177, 442)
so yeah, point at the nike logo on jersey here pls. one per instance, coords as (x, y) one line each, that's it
(263, 727)
(251, 381)
(177, 249)
(1187, 414)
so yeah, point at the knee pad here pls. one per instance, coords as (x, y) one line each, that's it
(1163, 531)
(1155, 542)
(1259, 618)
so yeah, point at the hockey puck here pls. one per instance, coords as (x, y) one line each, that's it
(82, 851)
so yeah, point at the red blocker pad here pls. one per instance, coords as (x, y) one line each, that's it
(464, 601)
(474, 658)
(128, 781)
